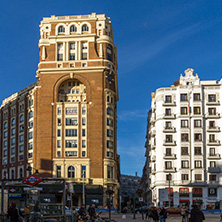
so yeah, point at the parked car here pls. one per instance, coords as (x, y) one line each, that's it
(173, 210)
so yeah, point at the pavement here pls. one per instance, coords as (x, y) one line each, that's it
(175, 218)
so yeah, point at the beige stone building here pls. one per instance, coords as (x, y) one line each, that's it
(64, 125)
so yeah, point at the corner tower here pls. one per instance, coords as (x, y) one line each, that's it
(76, 97)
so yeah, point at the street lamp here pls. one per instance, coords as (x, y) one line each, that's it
(83, 187)
(109, 193)
(29, 168)
(169, 188)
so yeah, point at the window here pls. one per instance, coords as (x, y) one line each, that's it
(110, 172)
(211, 124)
(58, 132)
(84, 56)
(212, 111)
(184, 123)
(13, 141)
(183, 110)
(5, 153)
(196, 96)
(184, 150)
(109, 53)
(5, 134)
(168, 125)
(58, 171)
(168, 99)
(184, 176)
(168, 152)
(212, 152)
(198, 164)
(184, 164)
(85, 28)
(183, 97)
(83, 153)
(30, 135)
(71, 132)
(71, 153)
(21, 128)
(212, 98)
(197, 151)
(83, 143)
(198, 176)
(13, 131)
(30, 114)
(13, 151)
(13, 122)
(168, 165)
(196, 110)
(71, 122)
(59, 111)
(60, 52)
(110, 111)
(109, 122)
(5, 125)
(197, 123)
(61, 30)
(169, 138)
(83, 110)
(109, 133)
(5, 143)
(109, 144)
(83, 121)
(83, 171)
(30, 146)
(71, 143)
(21, 148)
(168, 177)
(212, 163)
(212, 138)
(212, 177)
(21, 119)
(71, 172)
(21, 138)
(20, 173)
(73, 28)
(58, 143)
(71, 111)
(12, 174)
(83, 132)
(168, 112)
(184, 137)
(197, 137)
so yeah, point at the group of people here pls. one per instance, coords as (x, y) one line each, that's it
(14, 214)
(91, 211)
(156, 214)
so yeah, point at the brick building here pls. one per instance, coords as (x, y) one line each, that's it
(64, 125)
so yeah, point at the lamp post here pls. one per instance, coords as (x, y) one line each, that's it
(109, 193)
(83, 187)
(169, 188)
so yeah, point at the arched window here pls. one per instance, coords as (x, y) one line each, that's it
(85, 28)
(12, 174)
(21, 118)
(20, 172)
(30, 114)
(73, 28)
(13, 121)
(5, 125)
(71, 172)
(61, 29)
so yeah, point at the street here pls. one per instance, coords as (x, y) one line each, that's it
(175, 218)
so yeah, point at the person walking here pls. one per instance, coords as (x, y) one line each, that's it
(196, 214)
(154, 214)
(14, 213)
(163, 215)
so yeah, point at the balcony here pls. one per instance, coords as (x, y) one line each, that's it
(169, 103)
(169, 156)
(169, 143)
(213, 116)
(213, 142)
(213, 103)
(169, 130)
(213, 183)
(169, 116)
(215, 156)
(213, 129)
(170, 170)
(214, 170)
(198, 183)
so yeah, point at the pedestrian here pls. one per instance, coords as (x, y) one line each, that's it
(196, 214)
(92, 212)
(154, 214)
(163, 215)
(14, 214)
(183, 213)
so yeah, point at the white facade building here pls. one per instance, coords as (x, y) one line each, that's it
(185, 142)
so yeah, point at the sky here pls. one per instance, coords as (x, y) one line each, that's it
(156, 41)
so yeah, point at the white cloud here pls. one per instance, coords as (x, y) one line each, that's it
(132, 115)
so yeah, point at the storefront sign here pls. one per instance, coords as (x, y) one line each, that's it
(32, 180)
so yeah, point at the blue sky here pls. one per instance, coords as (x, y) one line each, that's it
(156, 41)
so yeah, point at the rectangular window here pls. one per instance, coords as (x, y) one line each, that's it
(71, 111)
(197, 151)
(212, 111)
(109, 133)
(168, 177)
(168, 99)
(196, 110)
(212, 138)
(21, 128)
(168, 125)
(168, 152)
(83, 110)
(71, 132)
(183, 97)
(197, 123)
(183, 110)
(59, 111)
(212, 98)
(184, 123)
(30, 135)
(169, 138)
(83, 171)
(30, 146)
(71, 153)
(21, 138)
(184, 164)
(71, 143)
(184, 137)
(168, 165)
(59, 132)
(12, 151)
(72, 56)
(21, 148)
(212, 177)
(83, 132)
(212, 163)
(212, 152)
(58, 171)
(60, 52)
(109, 144)
(83, 121)
(6, 143)
(184, 150)
(109, 122)
(211, 124)
(184, 176)
(198, 164)
(168, 112)
(13, 141)
(84, 56)
(84, 45)
(58, 143)
(110, 172)
(83, 143)
(5, 153)
(198, 176)
(197, 137)
(5, 134)
(83, 153)
(196, 96)
(71, 122)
